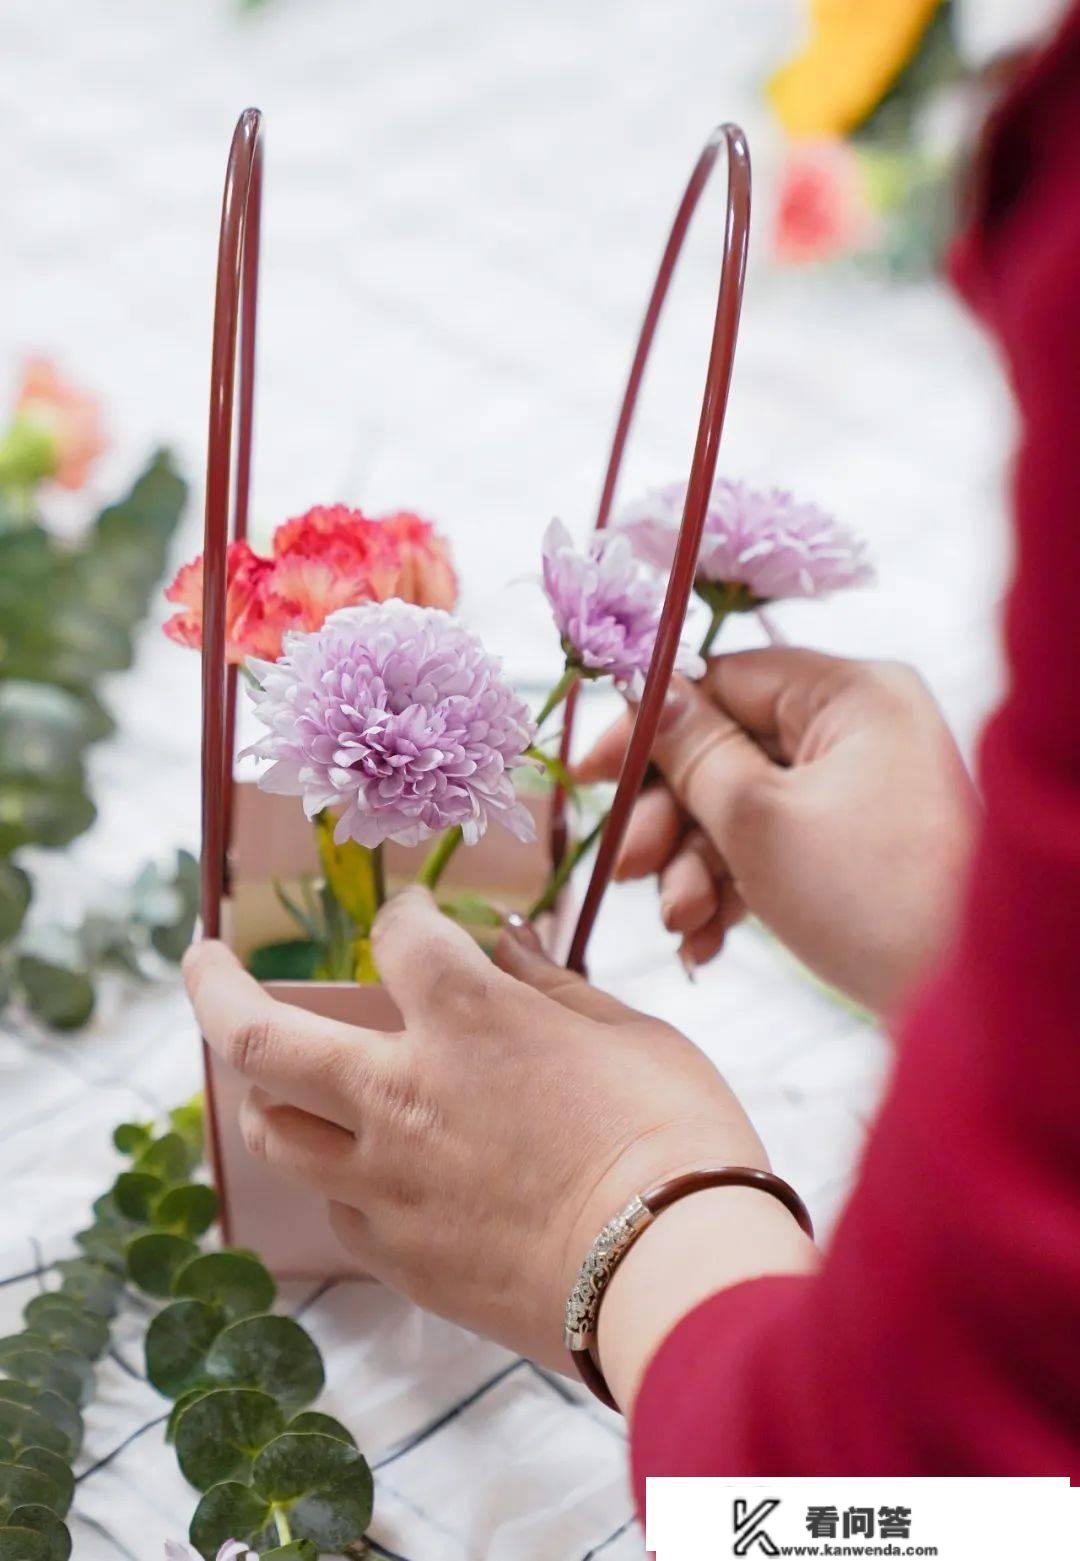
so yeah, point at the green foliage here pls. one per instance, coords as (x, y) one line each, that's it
(69, 613)
(287, 1479)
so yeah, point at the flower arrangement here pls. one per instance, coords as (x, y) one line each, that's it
(70, 606)
(389, 721)
(876, 105)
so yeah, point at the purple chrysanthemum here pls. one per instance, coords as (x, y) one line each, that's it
(396, 718)
(762, 540)
(606, 606)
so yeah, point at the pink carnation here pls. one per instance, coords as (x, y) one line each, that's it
(249, 629)
(821, 209)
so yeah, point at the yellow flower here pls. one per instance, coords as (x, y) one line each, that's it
(857, 49)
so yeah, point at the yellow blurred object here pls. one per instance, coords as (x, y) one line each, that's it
(857, 49)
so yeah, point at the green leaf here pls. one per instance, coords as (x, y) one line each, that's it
(187, 1120)
(134, 1192)
(294, 960)
(59, 996)
(184, 1402)
(14, 899)
(271, 1353)
(172, 938)
(52, 1422)
(22, 1544)
(218, 1436)
(19, 1485)
(239, 1284)
(170, 1157)
(55, 1469)
(176, 1345)
(312, 1420)
(299, 1550)
(46, 1372)
(154, 1260)
(229, 1511)
(44, 812)
(106, 1243)
(43, 730)
(132, 1137)
(26, 1424)
(186, 1211)
(43, 1522)
(92, 1285)
(324, 1483)
(67, 1326)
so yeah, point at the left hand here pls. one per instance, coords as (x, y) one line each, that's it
(470, 1160)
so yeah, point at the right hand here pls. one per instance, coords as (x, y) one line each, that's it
(826, 796)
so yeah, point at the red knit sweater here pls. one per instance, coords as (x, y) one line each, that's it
(942, 1334)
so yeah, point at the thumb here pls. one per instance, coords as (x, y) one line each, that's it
(521, 954)
(422, 955)
(706, 758)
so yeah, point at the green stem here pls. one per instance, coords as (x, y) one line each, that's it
(718, 615)
(439, 856)
(378, 878)
(558, 694)
(561, 876)
(281, 1523)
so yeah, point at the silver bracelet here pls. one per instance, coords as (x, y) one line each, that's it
(601, 1261)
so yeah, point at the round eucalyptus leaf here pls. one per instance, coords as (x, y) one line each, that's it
(187, 1120)
(240, 1284)
(183, 1402)
(324, 1484)
(23, 1544)
(154, 1260)
(170, 1157)
(132, 1137)
(7, 1452)
(219, 1435)
(45, 1523)
(31, 1418)
(134, 1192)
(91, 1284)
(20, 1484)
(230, 1511)
(313, 1420)
(176, 1345)
(299, 1550)
(42, 1370)
(189, 1210)
(15, 894)
(272, 1353)
(59, 996)
(66, 1326)
(106, 1212)
(55, 1469)
(105, 1243)
(43, 729)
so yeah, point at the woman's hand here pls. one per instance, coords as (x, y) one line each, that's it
(826, 796)
(471, 1159)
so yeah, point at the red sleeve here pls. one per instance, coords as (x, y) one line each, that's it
(940, 1337)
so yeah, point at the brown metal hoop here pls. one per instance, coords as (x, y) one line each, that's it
(235, 308)
(702, 470)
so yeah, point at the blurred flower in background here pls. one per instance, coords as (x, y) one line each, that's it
(56, 432)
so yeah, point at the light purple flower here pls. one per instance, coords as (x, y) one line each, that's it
(763, 540)
(396, 717)
(606, 606)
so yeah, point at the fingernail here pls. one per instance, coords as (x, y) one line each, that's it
(673, 707)
(666, 907)
(522, 931)
(689, 964)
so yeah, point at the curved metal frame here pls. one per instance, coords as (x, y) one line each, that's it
(702, 470)
(235, 310)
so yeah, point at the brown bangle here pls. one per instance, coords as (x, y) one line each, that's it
(620, 1234)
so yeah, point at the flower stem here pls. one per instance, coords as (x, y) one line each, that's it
(561, 876)
(281, 1523)
(439, 856)
(718, 615)
(558, 694)
(378, 878)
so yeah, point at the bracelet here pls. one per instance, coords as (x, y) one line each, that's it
(620, 1234)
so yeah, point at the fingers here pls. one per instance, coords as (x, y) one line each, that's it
(689, 885)
(652, 834)
(300, 1146)
(311, 1062)
(706, 758)
(604, 759)
(520, 953)
(774, 693)
(427, 961)
(706, 941)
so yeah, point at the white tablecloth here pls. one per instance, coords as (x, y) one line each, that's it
(464, 206)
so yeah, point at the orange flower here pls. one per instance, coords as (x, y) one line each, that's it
(249, 629)
(347, 540)
(821, 209)
(426, 575)
(70, 418)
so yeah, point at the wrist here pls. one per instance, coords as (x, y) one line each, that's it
(701, 1245)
